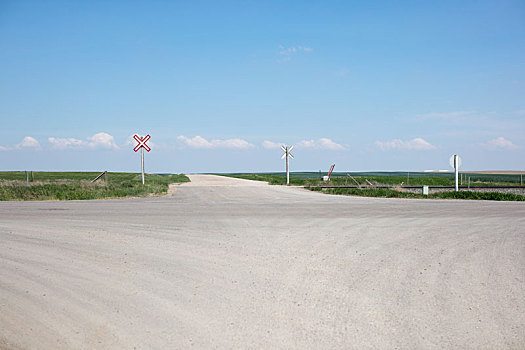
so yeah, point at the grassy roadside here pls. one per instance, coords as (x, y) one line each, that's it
(389, 193)
(78, 186)
(433, 180)
(275, 179)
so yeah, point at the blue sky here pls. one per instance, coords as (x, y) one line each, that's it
(367, 85)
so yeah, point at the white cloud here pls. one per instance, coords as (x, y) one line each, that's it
(103, 140)
(195, 142)
(500, 142)
(63, 143)
(287, 52)
(99, 140)
(414, 144)
(201, 142)
(271, 145)
(29, 142)
(232, 143)
(322, 143)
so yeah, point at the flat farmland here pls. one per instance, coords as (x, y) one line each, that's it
(232, 263)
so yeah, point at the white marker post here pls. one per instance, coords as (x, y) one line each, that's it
(287, 155)
(142, 145)
(455, 162)
(142, 162)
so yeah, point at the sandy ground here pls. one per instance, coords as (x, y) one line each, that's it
(226, 263)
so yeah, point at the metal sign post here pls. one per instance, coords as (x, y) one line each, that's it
(142, 163)
(455, 162)
(287, 155)
(142, 146)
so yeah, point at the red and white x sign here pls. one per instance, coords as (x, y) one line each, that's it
(142, 142)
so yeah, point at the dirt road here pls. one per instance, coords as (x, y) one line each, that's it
(226, 263)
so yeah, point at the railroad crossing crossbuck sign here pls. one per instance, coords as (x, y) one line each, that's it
(142, 146)
(142, 142)
(287, 155)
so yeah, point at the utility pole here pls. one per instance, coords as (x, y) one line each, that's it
(287, 155)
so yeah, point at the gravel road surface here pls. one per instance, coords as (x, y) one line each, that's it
(228, 263)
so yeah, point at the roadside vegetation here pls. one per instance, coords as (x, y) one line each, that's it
(391, 193)
(78, 186)
(396, 181)
(376, 179)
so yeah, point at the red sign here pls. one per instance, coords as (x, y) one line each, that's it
(142, 143)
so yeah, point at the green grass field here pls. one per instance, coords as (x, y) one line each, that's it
(390, 193)
(395, 180)
(382, 179)
(78, 186)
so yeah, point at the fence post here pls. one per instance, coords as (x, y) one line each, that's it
(106, 176)
(32, 176)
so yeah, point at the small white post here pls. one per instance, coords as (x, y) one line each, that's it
(142, 162)
(456, 167)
